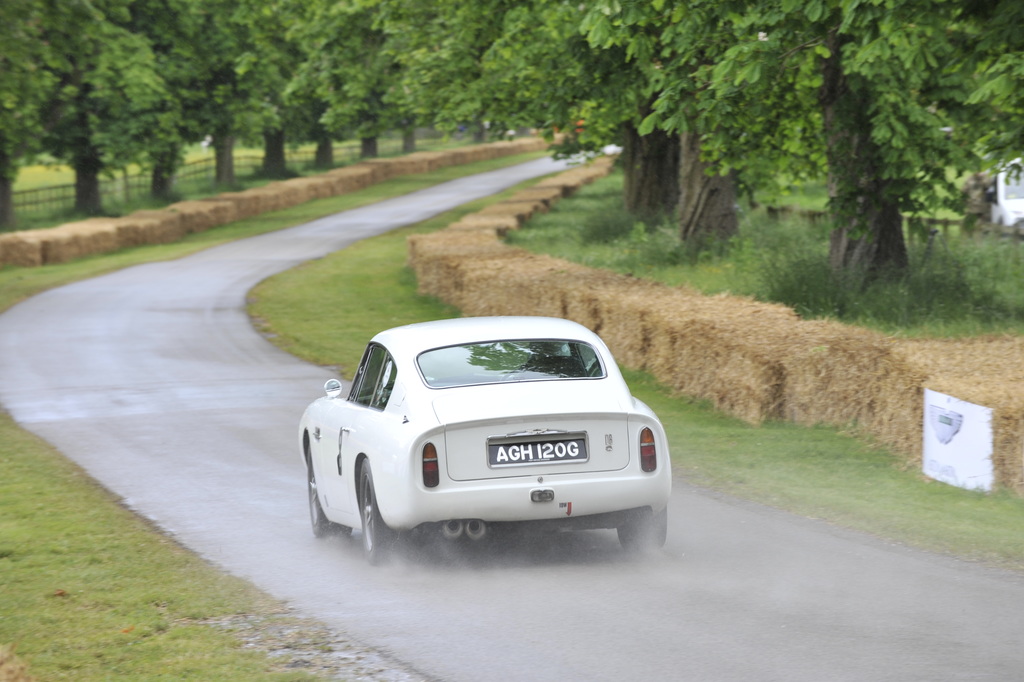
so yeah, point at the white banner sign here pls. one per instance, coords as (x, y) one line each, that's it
(957, 441)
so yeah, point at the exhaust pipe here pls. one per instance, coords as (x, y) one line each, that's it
(476, 529)
(452, 530)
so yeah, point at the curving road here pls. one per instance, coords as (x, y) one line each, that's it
(153, 379)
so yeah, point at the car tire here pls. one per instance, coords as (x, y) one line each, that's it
(646, 532)
(318, 520)
(378, 539)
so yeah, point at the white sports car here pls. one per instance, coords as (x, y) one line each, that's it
(464, 425)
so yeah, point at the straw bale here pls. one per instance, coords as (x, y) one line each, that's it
(473, 154)
(258, 200)
(23, 249)
(440, 260)
(282, 194)
(483, 220)
(150, 227)
(548, 196)
(74, 240)
(832, 370)
(382, 169)
(514, 282)
(567, 185)
(313, 187)
(496, 225)
(445, 243)
(245, 205)
(203, 214)
(352, 178)
(430, 161)
(519, 210)
(697, 357)
(709, 347)
(534, 206)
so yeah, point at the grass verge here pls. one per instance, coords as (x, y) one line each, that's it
(89, 591)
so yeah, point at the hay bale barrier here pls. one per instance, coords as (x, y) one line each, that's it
(34, 248)
(754, 360)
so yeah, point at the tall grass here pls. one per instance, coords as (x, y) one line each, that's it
(954, 286)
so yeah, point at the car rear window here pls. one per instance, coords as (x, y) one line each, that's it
(515, 360)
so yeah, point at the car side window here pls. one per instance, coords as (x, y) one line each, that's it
(375, 378)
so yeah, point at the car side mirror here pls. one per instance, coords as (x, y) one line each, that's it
(332, 388)
(990, 195)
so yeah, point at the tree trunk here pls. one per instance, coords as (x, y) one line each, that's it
(7, 217)
(868, 233)
(161, 180)
(224, 154)
(368, 148)
(408, 140)
(707, 203)
(7, 175)
(651, 166)
(324, 153)
(87, 164)
(275, 165)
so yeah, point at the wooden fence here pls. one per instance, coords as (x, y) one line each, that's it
(127, 187)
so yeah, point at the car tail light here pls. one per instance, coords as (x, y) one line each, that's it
(648, 452)
(431, 474)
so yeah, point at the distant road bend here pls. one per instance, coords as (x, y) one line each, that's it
(154, 380)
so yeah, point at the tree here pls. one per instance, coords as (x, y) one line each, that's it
(24, 85)
(347, 67)
(527, 64)
(266, 65)
(107, 110)
(1000, 51)
(173, 30)
(219, 101)
(874, 95)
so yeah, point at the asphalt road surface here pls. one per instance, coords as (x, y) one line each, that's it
(153, 379)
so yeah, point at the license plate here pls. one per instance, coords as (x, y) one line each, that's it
(515, 453)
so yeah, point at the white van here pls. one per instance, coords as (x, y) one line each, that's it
(1007, 196)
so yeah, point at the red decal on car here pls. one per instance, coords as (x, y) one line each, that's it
(568, 508)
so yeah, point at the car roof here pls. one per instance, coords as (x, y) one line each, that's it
(413, 339)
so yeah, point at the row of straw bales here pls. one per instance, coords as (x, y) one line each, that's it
(754, 360)
(32, 248)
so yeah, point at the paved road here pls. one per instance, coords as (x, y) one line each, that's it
(154, 380)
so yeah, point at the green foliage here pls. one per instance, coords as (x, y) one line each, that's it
(954, 286)
(346, 65)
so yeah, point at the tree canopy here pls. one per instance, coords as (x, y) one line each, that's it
(888, 101)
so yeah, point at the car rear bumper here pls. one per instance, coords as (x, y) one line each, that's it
(572, 499)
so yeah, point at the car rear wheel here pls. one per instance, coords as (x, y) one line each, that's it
(377, 537)
(646, 532)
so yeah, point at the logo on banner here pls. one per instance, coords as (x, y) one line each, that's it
(945, 423)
